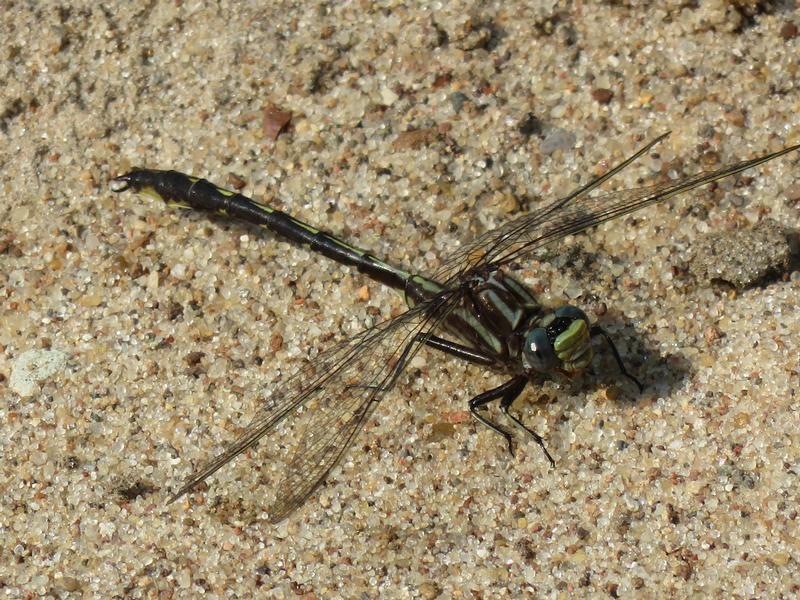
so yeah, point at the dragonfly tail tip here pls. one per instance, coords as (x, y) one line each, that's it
(120, 184)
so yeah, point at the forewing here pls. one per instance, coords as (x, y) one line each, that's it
(333, 393)
(518, 238)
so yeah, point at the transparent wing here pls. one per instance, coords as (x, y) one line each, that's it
(578, 211)
(334, 394)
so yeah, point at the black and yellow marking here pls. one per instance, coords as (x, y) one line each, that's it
(178, 189)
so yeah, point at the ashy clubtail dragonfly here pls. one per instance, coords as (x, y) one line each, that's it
(469, 308)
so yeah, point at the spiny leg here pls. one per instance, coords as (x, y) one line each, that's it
(597, 330)
(452, 348)
(458, 350)
(505, 405)
(506, 392)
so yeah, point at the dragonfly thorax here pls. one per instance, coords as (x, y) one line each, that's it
(501, 318)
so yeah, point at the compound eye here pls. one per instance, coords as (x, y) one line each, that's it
(570, 312)
(538, 353)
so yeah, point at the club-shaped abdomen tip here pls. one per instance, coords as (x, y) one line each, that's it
(120, 184)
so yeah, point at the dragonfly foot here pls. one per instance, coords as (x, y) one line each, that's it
(510, 444)
(536, 437)
(633, 379)
(597, 330)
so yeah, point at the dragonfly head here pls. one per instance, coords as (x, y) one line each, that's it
(560, 341)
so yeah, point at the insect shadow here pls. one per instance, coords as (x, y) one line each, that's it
(659, 373)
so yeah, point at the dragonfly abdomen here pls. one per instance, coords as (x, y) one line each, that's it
(178, 189)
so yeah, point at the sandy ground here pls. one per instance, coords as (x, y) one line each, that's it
(136, 340)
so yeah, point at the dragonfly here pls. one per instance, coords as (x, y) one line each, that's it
(470, 308)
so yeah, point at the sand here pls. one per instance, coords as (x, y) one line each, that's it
(137, 340)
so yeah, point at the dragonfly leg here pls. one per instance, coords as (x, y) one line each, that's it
(457, 350)
(505, 405)
(441, 344)
(597, 330)
(505, 393)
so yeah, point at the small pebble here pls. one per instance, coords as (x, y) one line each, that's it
(34, 366)
(789, 31)
(602, 95)
(557, 139)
